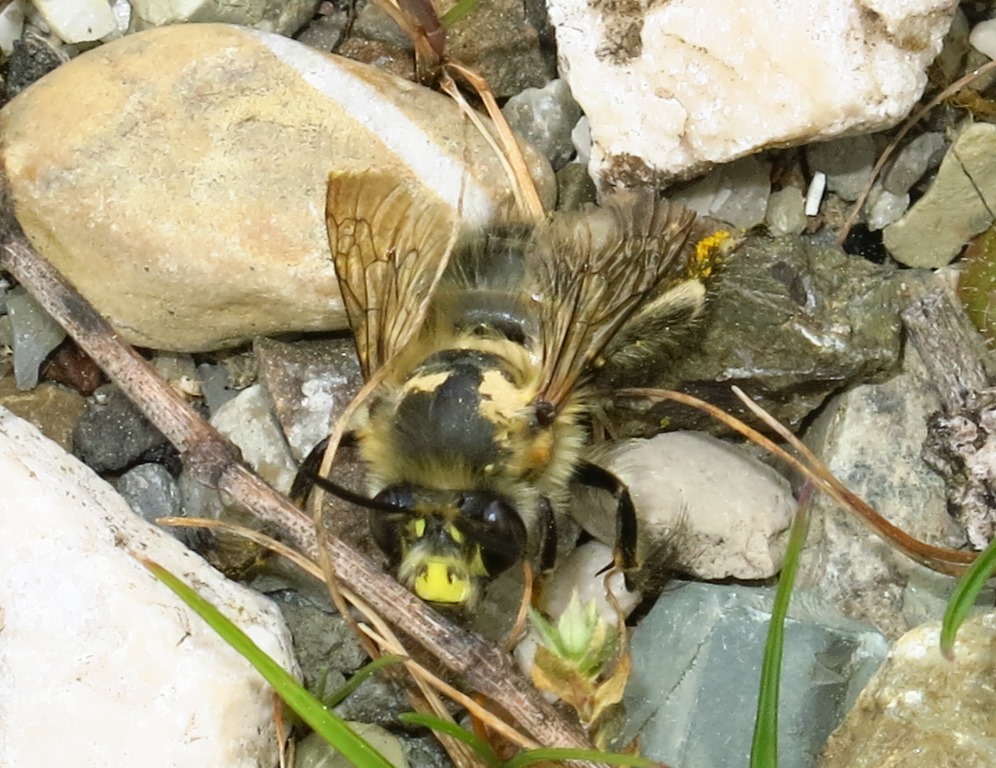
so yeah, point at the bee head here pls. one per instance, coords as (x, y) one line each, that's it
(446, 544)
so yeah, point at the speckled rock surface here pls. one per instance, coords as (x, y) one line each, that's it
(177, 176)
(922, 709)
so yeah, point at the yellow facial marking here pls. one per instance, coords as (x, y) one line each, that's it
(455, 534)
(418, 526)
(436, 583)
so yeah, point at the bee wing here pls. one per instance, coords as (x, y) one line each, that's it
(390, 248)
(591, 269)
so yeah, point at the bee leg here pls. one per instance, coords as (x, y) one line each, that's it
(548, 536)
(594, 476)
(304, 482)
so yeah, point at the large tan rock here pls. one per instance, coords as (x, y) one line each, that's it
(177, 176)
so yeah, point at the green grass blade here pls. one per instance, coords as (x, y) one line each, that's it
(965, 595)
(547, 754)
(449, 728)
(333, 728)
(337, 697)
(764, 749)
(458, 12)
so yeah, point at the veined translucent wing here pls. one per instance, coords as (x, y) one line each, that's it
(592, 269)
(390, 246)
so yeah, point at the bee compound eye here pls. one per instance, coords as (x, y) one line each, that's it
(387, 528)
(498, 530)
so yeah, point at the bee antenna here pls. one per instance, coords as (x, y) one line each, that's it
(341, 492)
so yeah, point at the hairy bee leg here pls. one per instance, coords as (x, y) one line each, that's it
(548, 536)
(594, 476)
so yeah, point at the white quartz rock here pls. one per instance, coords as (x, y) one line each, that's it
(78, 21)
(672, 88)
(705, 505)
(101, 662)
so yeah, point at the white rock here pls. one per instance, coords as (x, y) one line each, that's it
(285, 18)
(248, 421)
(581, 572)
(671, 88)
(101, 662)
(78, 21)
(11, 25)
(983, 37)
(707, 505)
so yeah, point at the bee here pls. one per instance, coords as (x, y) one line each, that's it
(492, 355)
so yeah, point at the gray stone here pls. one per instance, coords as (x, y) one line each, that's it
(847, 162)
(697, 660)
(545, 118)
(922, 709)
(786, 213)
(871, 438)
(151, 492)
(34, 335)
(501, 45)
(958, 205)
(790, 322)
(326, 648)
(885, 207)
(309, 384)
(913, 161)
(113, 434)
(736, 193)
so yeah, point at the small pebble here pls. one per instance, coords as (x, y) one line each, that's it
(581, 138)
(545, 117)
(35, 335)
(736, 193)
(983, 37)
(913, 161)
(786, 213)
(113, 434)
(814, 195)
(151, 492)
(847, 163)
(78, 21)
(33, 58)
(884, 207)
